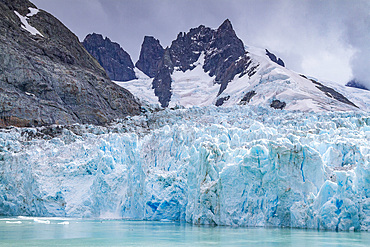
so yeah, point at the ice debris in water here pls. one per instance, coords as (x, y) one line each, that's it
(238, 166)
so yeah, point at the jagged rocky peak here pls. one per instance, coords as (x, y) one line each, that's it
(151, 55)
(225, 37)
(116, 62)
(187, 47)
(222, 56)
(46, 75)
(223, 51)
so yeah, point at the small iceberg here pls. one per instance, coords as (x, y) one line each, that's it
(41, 221)
(64, 223)
(13, 222)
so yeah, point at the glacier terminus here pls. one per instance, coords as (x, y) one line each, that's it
(236, 166)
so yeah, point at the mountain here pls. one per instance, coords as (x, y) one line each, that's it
(213, 67)
(116, 62)
(47, 77)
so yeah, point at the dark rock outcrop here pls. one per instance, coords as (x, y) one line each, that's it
(151, 55)
(331, 93)
(356, 84)
(162, 81)
(52, 79)
(221, 101)
(224, 50)
(277, 104)
(247, 97)
(116, 62)
(274, 58)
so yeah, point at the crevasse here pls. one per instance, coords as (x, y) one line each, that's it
(239, 166)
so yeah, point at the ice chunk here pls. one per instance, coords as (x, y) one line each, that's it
(41, 221)
(333, 157)
(13, 222)
(64, 223)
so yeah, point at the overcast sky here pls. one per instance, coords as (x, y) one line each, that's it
(327, 39)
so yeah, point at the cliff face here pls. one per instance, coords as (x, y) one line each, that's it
(47, 77)
(116, 62)
(151, 55)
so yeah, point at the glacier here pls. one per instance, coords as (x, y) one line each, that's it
(236, 166)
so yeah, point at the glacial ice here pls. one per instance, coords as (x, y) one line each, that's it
(237, 166)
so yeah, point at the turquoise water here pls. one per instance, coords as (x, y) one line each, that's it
(24, 231)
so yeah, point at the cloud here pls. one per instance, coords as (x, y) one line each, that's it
(357, 34)
(324, 39)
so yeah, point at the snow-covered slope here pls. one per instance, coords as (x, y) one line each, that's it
(239, 166)
(269, 82)
(193, 87)
(142, 87)
(358, 96)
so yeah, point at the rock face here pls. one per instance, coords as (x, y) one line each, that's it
(116, 62)
(330, 92)
(247, 97)
(151, 55)
(49, 78)
(274, 58)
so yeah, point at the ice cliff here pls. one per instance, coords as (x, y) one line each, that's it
(238, 166)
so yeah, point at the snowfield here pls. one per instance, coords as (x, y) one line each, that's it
(237, 166)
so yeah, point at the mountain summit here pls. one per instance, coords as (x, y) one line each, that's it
(116, 62)
(151, 55)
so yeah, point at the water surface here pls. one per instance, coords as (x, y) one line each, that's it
(29, 231)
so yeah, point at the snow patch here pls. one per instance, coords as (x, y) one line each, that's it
(33, 12)
(141, 88)
(25, 25)
(193, 87)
